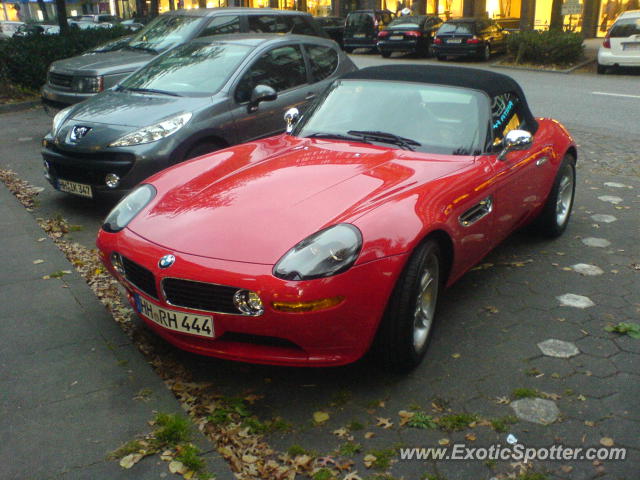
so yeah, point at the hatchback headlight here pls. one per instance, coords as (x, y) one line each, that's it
(59, 119)
(128, 208)
(88, 84)
(153, 132)
(323, 254)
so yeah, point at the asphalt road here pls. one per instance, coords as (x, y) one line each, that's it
(485, 346)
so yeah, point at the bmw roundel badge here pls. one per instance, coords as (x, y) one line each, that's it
(166, 261)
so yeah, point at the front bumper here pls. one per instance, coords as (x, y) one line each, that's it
(58, 99)
(334, 336)
(91, 167)
(365, 42)
(608, 58)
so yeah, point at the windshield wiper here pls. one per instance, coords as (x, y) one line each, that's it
(337, 136)
(386, 137)
(149, 90)
(140, 47)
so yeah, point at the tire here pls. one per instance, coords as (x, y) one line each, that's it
(440, 58)
(405, 330)
(202, 148)
(555, 215)
(385, 53)
(601, 69)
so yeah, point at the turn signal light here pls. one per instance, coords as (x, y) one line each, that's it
(312, 306)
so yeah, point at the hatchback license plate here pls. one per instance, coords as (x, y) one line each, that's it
(75, 188)
(201, 325)
(454, 40)
(631, 46)
(359, 35)
(396, 37)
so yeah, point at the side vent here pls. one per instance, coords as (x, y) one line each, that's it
(476, 212)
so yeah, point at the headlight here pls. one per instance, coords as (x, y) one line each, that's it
(323, 254)
(128, 208)
(59, 119)
(88, 84)
(153, 132)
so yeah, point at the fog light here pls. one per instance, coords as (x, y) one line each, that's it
(312, 306)
(112, 180)
(116, 261)
(248, 302)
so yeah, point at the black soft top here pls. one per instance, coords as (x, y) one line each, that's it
(492, 83)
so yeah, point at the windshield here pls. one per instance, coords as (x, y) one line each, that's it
(467, 28)
(407, 22)
(193, 69)
(428, 118)
(165, 32)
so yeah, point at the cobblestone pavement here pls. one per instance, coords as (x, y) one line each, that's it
(485, 352)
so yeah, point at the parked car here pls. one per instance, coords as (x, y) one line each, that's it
(29, 29)
(333, 26)
(311, 247)
(413, 34)
(199, 97)
(8, 28)
(362, 27)
(132, 25)
(100, 18)
(75, 79)
(621, 46)
(84, 25)
(469, 37)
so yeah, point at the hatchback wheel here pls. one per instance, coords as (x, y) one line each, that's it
(601, 68)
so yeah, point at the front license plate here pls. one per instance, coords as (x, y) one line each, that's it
(454, 40)
(396, 37)
(359, 35)
(75, 188)
(201, 325)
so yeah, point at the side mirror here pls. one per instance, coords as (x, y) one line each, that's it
(291, 117)
(515, 140)
(261, 93)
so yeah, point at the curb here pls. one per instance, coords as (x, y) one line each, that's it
(531, 69)
(18, 106)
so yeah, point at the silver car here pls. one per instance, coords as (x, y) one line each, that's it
(202, 96)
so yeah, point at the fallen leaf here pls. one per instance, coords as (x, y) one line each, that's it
(320, 417)
(582, 398)
(455, 355)
(341, 432)
(249, 458)
(38, 261)
(405, 417)
(352, 476)
(369, 460)
(471, 437)
(443, 441)
(503, 400)
(130, 460)
(566, 468)
(491, 309)
(589, 423)
(384, 422)
(167, 455)
(606, 442)
(369, 435)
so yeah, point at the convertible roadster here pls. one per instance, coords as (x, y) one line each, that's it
(312, 247)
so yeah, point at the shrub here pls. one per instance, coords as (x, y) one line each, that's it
(551, 47)
(25, 60)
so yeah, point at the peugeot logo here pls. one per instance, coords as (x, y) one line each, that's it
(78, 132)
(166, 261)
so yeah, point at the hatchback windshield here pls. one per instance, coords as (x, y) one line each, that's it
(415, 116)
(625, 27)
(359, 21)
(165, 32)
(192, 69)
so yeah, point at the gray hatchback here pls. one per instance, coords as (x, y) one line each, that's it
(202, 96)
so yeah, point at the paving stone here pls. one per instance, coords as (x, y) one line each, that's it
(558, 348)
(574, 300)
(586, 269)
(599, 347)
(628, 344)
(536, 410)
(627, 362)
(610, 199)
(596, 366)
(603, 218)
(596, 242)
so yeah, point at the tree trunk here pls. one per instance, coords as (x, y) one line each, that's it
(61, 10)
(43, 9)
(557, 19)
(202, 3)
(153, 9)
(171, 6)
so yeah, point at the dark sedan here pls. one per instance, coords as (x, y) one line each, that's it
(413, 34)
(202, 96)
(469, 37)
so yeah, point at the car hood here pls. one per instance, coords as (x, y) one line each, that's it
(253, 202)
(106, 63)
(123, 108)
